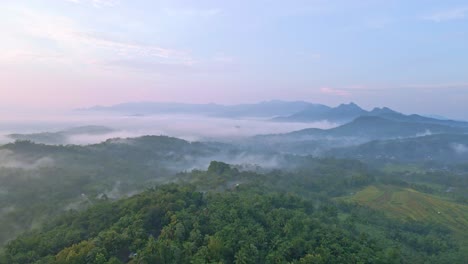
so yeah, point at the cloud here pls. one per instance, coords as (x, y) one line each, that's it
(425, 133)
(437, 86)
(447, 15)
(332, 91)
(8, 159)
(189, 127)
(459, 148)
(148, 65)
(96, 3)
(74, 44)
(356, 87)
(18, 55)
(132, 49)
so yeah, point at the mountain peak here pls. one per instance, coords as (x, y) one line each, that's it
(349, 106)
(382, 110)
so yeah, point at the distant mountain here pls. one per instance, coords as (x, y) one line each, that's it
(262, 109)
(447, 148)
(339, 114)
(393, 115)
(278, 111)
(62, 137)
(374, 127)
(348, 112)
(314, 141)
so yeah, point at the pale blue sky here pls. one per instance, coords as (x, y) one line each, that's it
(408, 55)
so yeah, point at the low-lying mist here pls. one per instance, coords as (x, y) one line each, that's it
(188, 127)
(8, 159)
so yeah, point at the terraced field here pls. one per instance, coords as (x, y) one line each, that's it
(404, 203)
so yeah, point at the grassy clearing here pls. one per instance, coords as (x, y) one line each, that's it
(405, 203)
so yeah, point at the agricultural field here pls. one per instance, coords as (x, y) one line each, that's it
(406, 203)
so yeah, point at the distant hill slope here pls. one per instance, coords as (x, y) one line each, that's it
(374, 127)
(68, 176)
(317, 142)
(62, 137)
(447, 148)
(392, 115)
(275, 110)
(339, 114)
(348, 112)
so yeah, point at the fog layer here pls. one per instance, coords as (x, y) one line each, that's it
(189, 127)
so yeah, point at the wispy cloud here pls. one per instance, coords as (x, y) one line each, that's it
(132, 49)
(96, 3)
(437, 86)
(78, 44)
(147, 66)
(356, 87)
(332, 91)
(450, 14)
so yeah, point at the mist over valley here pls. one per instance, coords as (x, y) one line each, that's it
(244, 132)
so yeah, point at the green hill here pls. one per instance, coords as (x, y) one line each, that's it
(446, 148)
(405, 203)
(228, 216)
(374, 127)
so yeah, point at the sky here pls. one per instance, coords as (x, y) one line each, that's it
(408, 55)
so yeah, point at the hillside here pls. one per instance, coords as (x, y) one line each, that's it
(406, 203)
(348, 112)
(72, 177)
(372, 127)
(360, 130)
(318, 142)
(252, 221)
(340, 114)
(445, 148)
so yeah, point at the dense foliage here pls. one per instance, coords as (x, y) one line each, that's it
(78, 204)
(228, 216)
(38, 181)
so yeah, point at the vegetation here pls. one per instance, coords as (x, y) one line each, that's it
(38, 181)
(223, 215)
(140, 201)
(406, 203)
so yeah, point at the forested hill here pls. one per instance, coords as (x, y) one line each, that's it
(441, 148)
(38, 181)
(223, 215)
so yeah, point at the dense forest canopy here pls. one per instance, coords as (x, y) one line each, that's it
(232, 216)
(311, 196)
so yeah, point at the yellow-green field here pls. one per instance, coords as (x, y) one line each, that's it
(404, 203)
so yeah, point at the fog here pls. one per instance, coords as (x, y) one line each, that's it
(459, 148)
(8, 159)
(425, 133)
(188, 127)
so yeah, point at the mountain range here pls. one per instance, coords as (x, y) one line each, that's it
(275, 110)
(347, 112)
(265, 109)
(446, 148)
(363, 129)
(376, 127)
